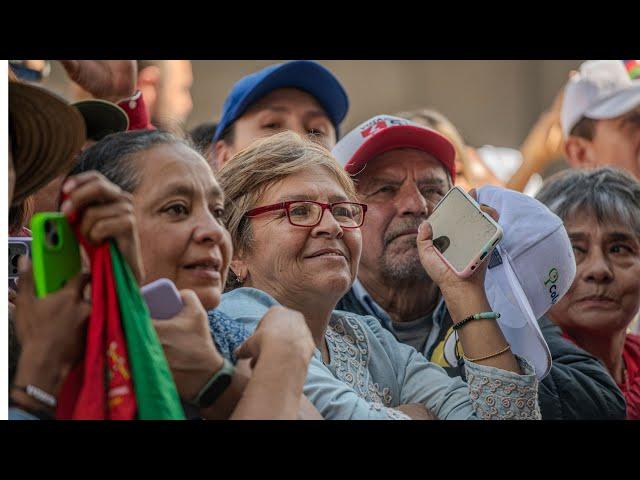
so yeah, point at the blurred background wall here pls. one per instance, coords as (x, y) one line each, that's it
(491, 101)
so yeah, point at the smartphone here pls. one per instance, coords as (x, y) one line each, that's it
(462, 233)
(162, 299)
(18, 247)
(55, 252)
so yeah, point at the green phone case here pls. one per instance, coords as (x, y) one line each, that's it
(53, 264)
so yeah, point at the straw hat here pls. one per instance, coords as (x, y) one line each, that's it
(46, 135)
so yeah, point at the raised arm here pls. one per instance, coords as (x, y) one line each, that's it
(480, 339)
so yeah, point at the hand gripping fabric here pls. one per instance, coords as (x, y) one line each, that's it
(124, 374)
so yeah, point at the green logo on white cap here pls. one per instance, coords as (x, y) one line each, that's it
(553, 289)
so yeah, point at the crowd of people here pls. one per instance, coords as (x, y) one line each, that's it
(304, 257)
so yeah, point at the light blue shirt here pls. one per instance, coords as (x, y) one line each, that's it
(19, 414)
(370, 373)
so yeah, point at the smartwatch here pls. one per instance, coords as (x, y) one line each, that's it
(215, 386)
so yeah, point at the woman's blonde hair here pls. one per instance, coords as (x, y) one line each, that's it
(251, 171)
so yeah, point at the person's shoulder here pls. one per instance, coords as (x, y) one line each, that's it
(227, 333)
(545, 322)
(554, 335)
(221, 322)
(565, 352)
(243, 302)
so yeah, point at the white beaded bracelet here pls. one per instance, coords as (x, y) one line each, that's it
(39, 394)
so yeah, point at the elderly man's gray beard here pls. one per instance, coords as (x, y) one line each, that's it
(409, 270)
(400, 261)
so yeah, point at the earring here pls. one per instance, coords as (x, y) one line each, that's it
(236, 280)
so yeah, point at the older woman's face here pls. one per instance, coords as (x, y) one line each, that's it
(292, 262)
(605, 295)
(178, 205)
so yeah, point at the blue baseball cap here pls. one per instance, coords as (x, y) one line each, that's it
(306, 75)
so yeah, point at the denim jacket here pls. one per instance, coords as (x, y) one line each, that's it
(370, 373)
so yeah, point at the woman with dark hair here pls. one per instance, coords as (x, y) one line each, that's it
(158, 199)
(601, 212)
(178, 207)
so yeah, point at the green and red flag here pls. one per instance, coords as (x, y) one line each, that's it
(155, 389)
(124, 374)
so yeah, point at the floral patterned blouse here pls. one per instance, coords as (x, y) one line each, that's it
(370, 373)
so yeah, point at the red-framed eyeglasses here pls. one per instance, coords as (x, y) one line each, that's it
(307, 213)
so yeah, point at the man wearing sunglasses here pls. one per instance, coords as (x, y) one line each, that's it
(402, 171)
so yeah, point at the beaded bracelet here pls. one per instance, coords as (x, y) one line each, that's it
(477, 316)
(37, 394)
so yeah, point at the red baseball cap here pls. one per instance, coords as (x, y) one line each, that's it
(383, 133)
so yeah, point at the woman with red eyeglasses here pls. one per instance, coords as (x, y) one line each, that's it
(295, 221)
(158, 198)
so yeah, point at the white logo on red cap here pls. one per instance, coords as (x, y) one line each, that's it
(377, 124)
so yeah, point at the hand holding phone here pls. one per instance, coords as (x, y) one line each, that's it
(186, 339)
(18, 247)
(462, 236)
(55, 252)
(162, 299)
(53, 327)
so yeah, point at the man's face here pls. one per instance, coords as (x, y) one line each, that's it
(279, 110)
(616, 142)
(401, 188)
(174, 100)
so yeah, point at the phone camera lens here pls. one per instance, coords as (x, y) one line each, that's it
(51, 235)
(48, 226)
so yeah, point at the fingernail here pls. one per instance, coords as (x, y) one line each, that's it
(66, 207)
(69, 185)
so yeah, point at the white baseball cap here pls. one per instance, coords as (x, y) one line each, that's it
(529, 271)
(383, 133)
(602, 89)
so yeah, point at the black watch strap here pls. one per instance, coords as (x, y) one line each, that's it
(215, 387)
